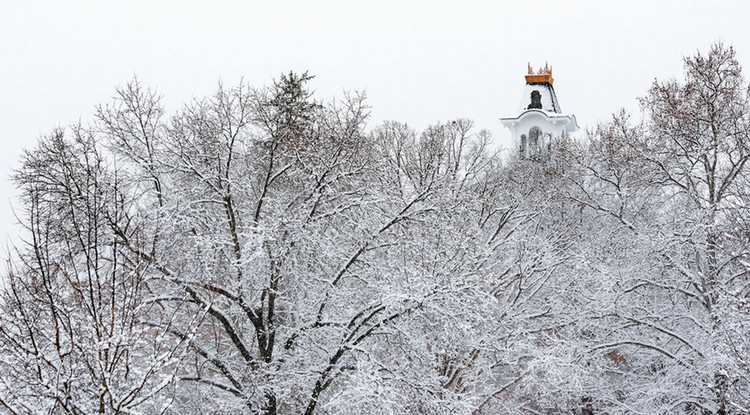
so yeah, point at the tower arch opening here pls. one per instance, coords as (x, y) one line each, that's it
(535, 138)
(536, 100)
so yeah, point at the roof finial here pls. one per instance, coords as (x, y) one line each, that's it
(531, 70)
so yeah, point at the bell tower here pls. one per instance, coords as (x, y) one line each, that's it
(540, 120)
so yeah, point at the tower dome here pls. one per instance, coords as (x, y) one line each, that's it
(540, 120)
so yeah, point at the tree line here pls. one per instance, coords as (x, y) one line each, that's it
(261, 251)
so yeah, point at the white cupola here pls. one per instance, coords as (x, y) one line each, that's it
(540, 120)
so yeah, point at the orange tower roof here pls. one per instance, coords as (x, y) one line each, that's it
(542, 75)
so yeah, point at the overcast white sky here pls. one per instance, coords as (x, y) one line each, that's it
(419, 61)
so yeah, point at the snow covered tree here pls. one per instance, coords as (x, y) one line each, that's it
(699, 140)
(668, 195)
(257, 252)
(72, 337)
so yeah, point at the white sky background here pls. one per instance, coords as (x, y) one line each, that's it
(419, 61)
